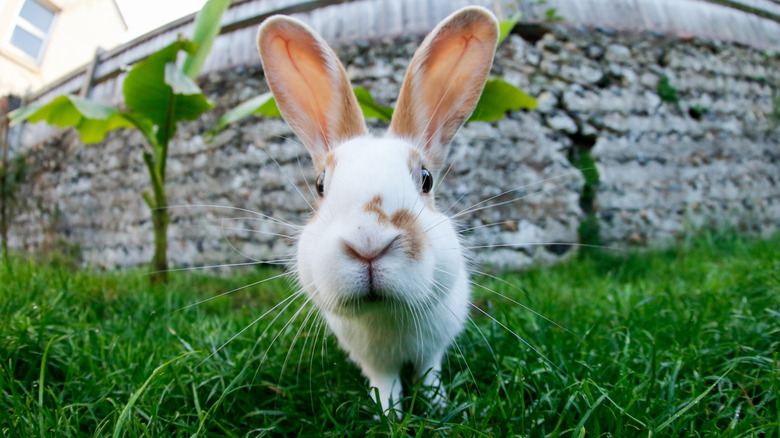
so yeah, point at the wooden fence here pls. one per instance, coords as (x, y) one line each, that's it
(753, 22)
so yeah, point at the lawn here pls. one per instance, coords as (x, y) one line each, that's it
(678, 342)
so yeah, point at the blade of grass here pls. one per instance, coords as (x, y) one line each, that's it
(129, 406)
(581, 425)
(41, 382)
(695, 401)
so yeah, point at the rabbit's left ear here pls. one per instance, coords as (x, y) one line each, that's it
(310, 86)
(444, 81)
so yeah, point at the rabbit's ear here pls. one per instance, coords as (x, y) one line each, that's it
(444, 81)
(310, 85)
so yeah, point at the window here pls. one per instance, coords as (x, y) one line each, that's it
(32, 29)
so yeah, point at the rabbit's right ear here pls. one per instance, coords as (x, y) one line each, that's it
(444, 81)
(310, 86)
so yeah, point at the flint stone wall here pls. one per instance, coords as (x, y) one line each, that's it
(712, 157)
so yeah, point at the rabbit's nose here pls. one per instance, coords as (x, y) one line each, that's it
(369, 251)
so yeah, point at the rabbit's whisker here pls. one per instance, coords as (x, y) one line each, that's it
(447, 212)
(477, 227)
(264, 356)
(443, 177)
(254, 231)
(525, 307)
(479, 206)
(484, 338)
(238, 219)
(292, 297)
(290, 138)
(233, 290)
(241, 253)
(457, 346)
(227, 207)
(317, 331)
(520, 338)
(311, 334)
(289, 180)
(197, 268)
(308, 185)
(462, 360)
(520, 245)
(312, 311)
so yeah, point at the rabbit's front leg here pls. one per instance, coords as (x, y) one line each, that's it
(388, 384)
(430, 372)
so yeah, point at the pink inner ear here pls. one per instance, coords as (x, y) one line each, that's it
(445, 79)
(456, 62)
(310, 85)
(303, 89)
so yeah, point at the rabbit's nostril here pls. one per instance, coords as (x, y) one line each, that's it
(368, 253)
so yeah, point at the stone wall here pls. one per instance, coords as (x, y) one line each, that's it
(712, 156)
(710, 159)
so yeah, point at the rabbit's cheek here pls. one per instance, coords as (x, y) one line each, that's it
(412, 237)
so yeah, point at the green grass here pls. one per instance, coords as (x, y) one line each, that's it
(682, 342)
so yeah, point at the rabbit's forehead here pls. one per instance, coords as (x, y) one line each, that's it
(366, 167)
(387, 158)
(371, 149)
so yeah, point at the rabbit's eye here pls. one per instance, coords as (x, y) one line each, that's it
(427, 180)
(321, 184)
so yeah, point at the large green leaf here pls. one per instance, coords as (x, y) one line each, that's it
(207, 27)
(20, 115)
(146, 127)
(92, 120)
(506, 26)
(178, 81)
(370, 108)
(497, 98)
(263, 104)
(159, 91)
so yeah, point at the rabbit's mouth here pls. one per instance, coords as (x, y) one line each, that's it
(370, 298)
(353, 306)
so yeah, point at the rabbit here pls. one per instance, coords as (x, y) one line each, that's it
(385, 269)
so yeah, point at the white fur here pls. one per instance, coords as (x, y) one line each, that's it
(427, 298)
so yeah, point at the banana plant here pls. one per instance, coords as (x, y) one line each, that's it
(158, 94)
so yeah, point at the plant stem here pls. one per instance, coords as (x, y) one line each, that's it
(4, 195)
(158, 207)
(160, 220)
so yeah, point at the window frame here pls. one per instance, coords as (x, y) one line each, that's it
(19, 21)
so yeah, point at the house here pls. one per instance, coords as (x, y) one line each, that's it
(42, 40)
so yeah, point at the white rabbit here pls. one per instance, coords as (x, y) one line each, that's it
(385, 269)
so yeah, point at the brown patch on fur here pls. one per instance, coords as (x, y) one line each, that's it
(351, 122)
(413, 235)
(330, 161)
(375, 206)
(415, 159)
